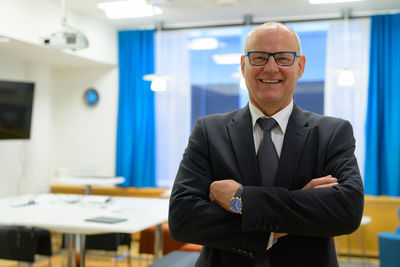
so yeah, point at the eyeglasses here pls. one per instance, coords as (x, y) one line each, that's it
(259, 58)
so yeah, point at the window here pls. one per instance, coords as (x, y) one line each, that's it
(206, 79)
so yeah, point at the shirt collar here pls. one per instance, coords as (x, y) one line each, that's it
(281, 117)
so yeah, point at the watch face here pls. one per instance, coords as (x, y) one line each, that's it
(236, 205)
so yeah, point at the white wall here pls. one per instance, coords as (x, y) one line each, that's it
(24, 163)
(65, 133)
(85, 136)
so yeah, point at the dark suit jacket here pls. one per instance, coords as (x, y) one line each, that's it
(222, 147)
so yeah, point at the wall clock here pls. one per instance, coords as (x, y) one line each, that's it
(91, 97)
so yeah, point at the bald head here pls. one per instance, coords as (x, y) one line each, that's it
(269, 26)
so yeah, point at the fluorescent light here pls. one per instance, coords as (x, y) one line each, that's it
(227, 59)
(128, 9)
(317, 2)
(204, 44)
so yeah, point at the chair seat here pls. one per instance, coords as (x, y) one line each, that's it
(191, 247)
(389, 249)
(146, 245)
(177, 259)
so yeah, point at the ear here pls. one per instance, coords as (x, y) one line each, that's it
(301, 64)
(242, 63)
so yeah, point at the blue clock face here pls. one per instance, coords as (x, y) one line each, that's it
(91, 97)
(236, 205)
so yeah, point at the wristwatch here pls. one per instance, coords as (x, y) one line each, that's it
(236, 201)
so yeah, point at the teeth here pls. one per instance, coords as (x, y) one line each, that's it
(270, 81)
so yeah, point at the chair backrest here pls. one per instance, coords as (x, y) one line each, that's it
(398, 228)
(109, 242)
(21, 244)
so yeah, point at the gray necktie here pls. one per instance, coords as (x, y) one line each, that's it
(267, 157)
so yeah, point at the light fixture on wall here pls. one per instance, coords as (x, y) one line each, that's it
(158, 82)
(130, 9)
(346, 75)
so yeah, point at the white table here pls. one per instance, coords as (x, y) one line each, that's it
(67, 214)
(88, 181)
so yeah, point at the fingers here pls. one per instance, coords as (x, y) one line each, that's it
(278, 235)
(322, 182)
(326, 185)
(222, 191)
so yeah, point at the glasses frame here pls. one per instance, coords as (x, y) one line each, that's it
(273, 55)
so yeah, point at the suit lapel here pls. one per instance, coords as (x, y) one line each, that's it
(241, 135)
(293, 144)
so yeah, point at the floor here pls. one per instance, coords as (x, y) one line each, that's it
(93, 258)
(97, 261)
(91, 261)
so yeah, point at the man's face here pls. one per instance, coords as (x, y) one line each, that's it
(271, 86)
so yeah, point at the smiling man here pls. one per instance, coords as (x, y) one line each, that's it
(269, 184)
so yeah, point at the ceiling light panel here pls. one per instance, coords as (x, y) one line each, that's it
(207, 43)
(128, 9)
(225, 59)
(318, 2)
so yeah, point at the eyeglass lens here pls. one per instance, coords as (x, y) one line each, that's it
(281, 58)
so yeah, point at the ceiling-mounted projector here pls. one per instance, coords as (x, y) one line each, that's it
(68, 39)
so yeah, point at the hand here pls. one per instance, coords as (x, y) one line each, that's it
(322, 182)
(221, 192)
(278, 235)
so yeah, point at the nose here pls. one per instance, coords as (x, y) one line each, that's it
(271, 65)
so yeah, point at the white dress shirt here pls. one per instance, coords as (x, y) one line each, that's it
(277, 134)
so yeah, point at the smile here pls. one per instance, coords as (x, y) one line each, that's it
(270, 81)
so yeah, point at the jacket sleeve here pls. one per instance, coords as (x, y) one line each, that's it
(314, 212)
(193, 217)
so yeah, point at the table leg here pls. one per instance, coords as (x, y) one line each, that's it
(71, 257)
(88, 190)
(82, 239)
(348, 247)
(158, 242)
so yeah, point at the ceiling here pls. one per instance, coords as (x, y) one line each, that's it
(192, 13)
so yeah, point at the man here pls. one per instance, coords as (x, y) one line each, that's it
(227, 195)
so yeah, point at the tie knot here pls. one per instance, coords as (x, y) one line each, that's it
(267, 124)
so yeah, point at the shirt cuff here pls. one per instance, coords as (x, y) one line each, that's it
(271, 241)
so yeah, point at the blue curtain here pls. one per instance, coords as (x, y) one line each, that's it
(382, 169)
(135, 159)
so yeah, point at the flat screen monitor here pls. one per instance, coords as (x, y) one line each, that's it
(16, 101)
